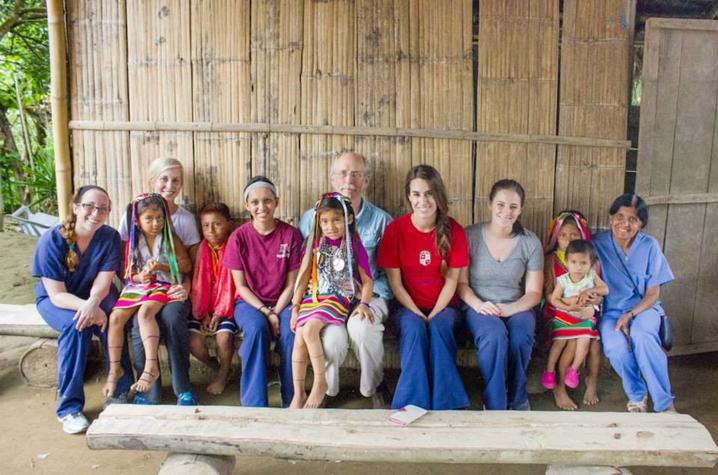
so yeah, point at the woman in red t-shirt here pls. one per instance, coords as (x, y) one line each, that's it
(422, 253)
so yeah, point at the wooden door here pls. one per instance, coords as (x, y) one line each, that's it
(678, 170)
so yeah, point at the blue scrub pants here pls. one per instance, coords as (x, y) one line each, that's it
(428, 377)
(72, 349)
(503, 351)
(172, 321)
(642, 365)
(254, 355)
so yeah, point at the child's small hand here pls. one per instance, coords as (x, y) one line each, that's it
(204, 324)
(293, 320)
(152, 265)
(214, 323)
(364, 312)
(143, 277)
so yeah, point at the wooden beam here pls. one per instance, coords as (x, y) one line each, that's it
(682, 199)
(59, 106)
(454, 134)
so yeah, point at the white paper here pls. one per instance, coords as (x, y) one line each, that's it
(406, 415)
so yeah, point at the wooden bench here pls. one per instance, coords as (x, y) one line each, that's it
(562, 440)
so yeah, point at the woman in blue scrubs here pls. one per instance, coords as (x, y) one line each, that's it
(75, 262)
(634, 268)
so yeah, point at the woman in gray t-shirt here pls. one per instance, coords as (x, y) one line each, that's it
(500, 288)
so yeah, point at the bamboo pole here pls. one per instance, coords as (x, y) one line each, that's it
(453, 134)
(58, 102)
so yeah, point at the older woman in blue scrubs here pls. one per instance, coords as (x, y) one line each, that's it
(634, 268)
(75, 262)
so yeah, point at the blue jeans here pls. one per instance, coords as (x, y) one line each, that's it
(642, 364)
(72, 349)
(172, 321)
(503, 351)
(254, 355)
(429, 377)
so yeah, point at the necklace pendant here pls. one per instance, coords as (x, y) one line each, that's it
(338, 264)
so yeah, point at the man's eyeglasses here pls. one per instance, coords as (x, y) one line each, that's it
(354, 175)
(91, 207)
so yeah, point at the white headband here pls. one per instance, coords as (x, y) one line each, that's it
(259, 184)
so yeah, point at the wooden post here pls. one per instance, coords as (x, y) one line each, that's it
(58, 102)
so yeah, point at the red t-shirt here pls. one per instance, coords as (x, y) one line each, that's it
(415, 254)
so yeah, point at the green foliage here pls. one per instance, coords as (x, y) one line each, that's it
(27, 170)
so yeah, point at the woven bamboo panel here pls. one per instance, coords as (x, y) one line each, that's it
(382, 96)
(517, 93)
(441, 94)
(160, 86)
(276, 52)
(595, 74)
(220, 31)
(98, 90)
(327, 90)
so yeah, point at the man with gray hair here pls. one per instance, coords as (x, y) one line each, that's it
(350, 177)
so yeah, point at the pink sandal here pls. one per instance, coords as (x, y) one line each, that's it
(572, 378)
(548, 379)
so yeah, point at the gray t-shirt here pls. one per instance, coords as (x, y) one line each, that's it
(502, 282)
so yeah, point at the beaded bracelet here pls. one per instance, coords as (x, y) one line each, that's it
(364, 303)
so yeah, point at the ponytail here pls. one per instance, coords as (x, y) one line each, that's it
(67, 231)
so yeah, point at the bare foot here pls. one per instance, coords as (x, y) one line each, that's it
(563, 400)
(113, 375)
(298, 400)
(216, 387)
(147, 378)
(316, 396)
(590, 397)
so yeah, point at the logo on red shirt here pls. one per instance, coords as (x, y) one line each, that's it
(425, 258)
(283, 252)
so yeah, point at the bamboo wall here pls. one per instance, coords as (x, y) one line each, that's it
(471, 88)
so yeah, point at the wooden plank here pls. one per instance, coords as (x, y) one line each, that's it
(595, 72)
(398, 132)
(683, 24)
(517, 94)
(24, 320)
(440, 436)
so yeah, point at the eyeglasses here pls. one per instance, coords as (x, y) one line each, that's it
(91, 207)
(354, 175)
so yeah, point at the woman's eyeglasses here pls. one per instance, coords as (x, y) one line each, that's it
(91, 207)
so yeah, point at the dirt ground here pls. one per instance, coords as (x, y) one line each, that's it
(32, 442)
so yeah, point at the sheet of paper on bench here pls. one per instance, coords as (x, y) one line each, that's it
(555, 437)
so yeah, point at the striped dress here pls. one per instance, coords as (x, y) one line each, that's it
(335, 286)
(135, 294)
(565, 325)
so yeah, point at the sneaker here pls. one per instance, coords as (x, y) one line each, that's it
(572, 378)
(142, 401)
(548, 379)
(186, 399)
(119, 399)
(74, 423)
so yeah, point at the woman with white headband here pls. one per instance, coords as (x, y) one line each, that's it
(264, 255)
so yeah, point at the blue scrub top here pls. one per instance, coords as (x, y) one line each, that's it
(646, 263)
(104, 253)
